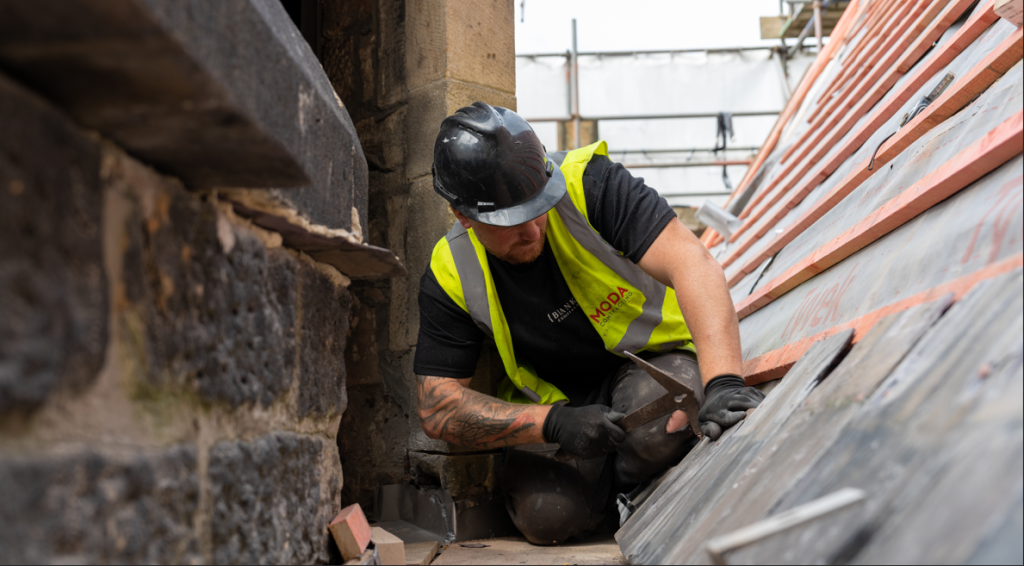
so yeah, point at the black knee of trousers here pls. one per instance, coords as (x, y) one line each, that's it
(648, 450)
(551, 501)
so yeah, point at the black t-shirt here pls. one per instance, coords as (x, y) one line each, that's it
(547, 326)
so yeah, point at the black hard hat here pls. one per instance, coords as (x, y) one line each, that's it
(490, 165)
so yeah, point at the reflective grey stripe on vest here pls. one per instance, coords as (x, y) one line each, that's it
(474, 288)
(640, 329)
(471, 274)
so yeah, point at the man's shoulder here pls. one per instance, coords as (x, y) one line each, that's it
(596, 167)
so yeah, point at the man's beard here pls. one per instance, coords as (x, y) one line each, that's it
(521, 254)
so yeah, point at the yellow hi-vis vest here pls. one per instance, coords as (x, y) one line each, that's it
(629, 310)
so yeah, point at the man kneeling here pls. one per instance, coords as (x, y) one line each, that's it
(566, 262)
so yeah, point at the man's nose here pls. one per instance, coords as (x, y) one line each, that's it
(529, 231)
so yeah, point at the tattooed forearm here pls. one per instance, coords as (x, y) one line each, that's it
(462, 416)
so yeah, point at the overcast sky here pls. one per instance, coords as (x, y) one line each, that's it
(617, 25)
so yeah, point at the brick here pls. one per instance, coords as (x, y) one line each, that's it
(390, 548)
(351, 531)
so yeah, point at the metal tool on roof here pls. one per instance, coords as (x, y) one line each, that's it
(678, 397)
(812, 511)
(918, 108)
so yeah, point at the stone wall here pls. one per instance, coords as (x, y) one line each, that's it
(171, 377)
(174, 363)
(402, 66)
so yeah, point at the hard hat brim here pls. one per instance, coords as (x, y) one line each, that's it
(553, 192)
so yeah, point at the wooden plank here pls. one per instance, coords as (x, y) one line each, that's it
(787, 179)
(771, 26)
(934, 7)
(969, 232)
(776, 363)
(421, 552)
(861, 97)
(880, 19)
(946, 53)
(852, 80)
(794, 104)
(508, 551)
(390, 548)
(985, 155)
(983, 75)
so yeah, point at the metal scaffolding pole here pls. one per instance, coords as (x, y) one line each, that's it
(817, 22)
(575, 88)
(686, 164)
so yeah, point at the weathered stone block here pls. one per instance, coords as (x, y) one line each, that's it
(425, 42)
(383, 141)
(463, 40)
(349, 37)
(362, 364)
(324, 308)
(214, 309)
(374, 434)
(462, 93)
(272, 500)
(249, 108)
(91, 508)
(53, 289)
(462, 475)
(391, 53)
(416, 222)
(481, 43)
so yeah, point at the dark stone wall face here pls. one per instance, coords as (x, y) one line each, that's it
(87, 507)
(53, 326)
(267, 501)
(219, 321)
(325, 317)
(179, 375)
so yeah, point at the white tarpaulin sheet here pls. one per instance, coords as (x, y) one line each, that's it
(669, 83)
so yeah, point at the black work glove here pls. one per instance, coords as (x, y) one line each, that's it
(584, 432)
(726, 401)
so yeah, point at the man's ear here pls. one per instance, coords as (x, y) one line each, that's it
(466, 222)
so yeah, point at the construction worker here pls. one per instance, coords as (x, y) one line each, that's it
(565, 261)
